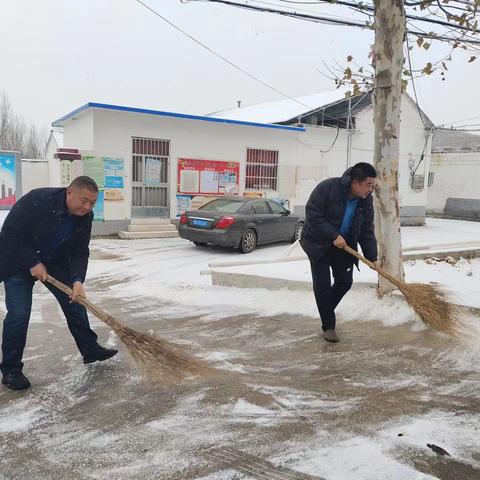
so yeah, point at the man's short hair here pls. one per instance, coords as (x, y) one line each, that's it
(361, 171)
(85, 182)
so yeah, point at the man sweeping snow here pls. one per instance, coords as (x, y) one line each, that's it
(338, 212)
(48, 228)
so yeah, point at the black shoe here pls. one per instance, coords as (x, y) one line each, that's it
(16, 381)
(99, 354)
(330, 336)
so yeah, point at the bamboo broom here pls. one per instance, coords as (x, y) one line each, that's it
(156, 358)
(428, 301)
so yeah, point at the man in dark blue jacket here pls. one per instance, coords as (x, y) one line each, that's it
(47, 230)
(338, 212)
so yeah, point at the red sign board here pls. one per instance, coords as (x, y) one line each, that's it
(207, 177)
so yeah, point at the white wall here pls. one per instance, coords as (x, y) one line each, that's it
(79, 133)
(189, 139)
(34, 174)
(53, 163)
(337, 160)
(456, 175)
(305, 157)
(412, 143)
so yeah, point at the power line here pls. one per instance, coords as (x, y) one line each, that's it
(228, 61)
(460, 121)
(191, 37)
(350, 23)
(362, 7)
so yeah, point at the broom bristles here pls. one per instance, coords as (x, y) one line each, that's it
(428, 301)
(431, 305)
(156, 358)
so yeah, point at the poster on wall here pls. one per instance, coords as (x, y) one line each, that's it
(208, 177)
(65, 173)
(184, 203)
(114, 171)
(107, 172)
(77, 168)
(7, 179)
(113, 194)
(98, 209)
(153, 168)
(93, 167)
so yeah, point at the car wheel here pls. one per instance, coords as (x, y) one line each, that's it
(200, 244)
(248, 241)
(298, 232)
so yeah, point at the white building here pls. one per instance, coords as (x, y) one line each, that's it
(54, 142)
(278, 149)
(454, 174)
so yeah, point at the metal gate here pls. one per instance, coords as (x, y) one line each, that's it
(150, 160)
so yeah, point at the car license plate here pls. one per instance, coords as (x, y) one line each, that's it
(199, 223)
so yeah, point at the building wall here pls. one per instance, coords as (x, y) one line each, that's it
(305, 157)
(53, 164)
(34, 174)
(80, 131)
(455, 176)
(359, 148)
(413, 141)
(189, 139)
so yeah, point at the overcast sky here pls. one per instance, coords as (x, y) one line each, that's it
(58, 55)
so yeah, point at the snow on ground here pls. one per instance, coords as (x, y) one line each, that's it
(364, 408)
(3, 215)
(170, 270)
(461, 278)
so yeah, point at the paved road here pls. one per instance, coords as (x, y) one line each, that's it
(285, 404)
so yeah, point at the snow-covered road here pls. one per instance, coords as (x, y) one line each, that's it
(364, 408)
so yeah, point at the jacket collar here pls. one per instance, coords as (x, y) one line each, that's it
(60, 208)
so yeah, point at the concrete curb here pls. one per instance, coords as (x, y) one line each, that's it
(243, 280)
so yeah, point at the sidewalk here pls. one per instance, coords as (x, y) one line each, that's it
(438, 239)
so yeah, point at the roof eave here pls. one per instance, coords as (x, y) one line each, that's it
(61, 121)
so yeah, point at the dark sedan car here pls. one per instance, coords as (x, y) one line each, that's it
(240, 222)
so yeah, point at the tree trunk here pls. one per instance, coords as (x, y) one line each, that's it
(388, 50)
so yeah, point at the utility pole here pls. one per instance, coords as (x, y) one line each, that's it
(388, 51)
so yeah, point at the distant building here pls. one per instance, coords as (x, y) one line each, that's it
(454, 175)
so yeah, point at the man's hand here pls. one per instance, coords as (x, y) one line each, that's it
(39, 272)
(77, 292)
(339, 242)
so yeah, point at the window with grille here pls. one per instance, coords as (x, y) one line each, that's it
(431, 176)
(150, 195)
(262, 167)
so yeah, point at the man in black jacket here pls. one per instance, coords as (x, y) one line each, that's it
(338, 212)
(47, 230)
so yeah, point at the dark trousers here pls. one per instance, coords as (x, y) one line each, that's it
(18, 300)
(328, 296)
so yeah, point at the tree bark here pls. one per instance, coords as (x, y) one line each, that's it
(388, 51)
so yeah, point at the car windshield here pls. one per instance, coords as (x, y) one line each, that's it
(223, 205)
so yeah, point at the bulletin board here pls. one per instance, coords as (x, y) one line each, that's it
(207, 177)
(10, 168)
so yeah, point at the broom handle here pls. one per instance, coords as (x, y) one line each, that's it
(382, 272)
(97, 311)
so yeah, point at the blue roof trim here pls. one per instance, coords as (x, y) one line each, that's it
(60, 122)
